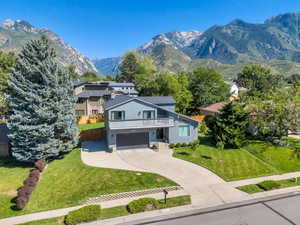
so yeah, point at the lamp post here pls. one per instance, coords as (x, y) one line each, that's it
(165, 193)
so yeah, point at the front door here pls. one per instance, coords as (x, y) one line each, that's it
(160, 134)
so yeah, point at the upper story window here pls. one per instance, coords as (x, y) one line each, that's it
(184, 130)
(148, 114)
(118, 115)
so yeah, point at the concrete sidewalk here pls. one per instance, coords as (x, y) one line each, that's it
(260, 179)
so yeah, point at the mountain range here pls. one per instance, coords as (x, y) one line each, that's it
(14, 34)
(274, 43)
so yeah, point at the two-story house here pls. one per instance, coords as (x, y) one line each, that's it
(139, 122)
(92, 95)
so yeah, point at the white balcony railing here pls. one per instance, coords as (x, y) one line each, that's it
(135, 124)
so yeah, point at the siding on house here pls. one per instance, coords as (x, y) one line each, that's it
(134, 108)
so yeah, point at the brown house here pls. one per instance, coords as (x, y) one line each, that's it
(92, 95)
(211, 110)
(4, 142)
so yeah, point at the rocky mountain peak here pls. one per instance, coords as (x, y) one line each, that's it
(19, 25)
(15, 34)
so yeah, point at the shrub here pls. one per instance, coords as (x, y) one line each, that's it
(142, 205)
(40, 165)
(171, 145)
(110, 149)
(35, 174)
(21, 202)
(30, 181)
(84, 214)
(177, 145)
(25, 191)
(268, 185)
(182, 145)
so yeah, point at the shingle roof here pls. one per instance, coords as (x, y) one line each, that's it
(156, 100)
(78, 83)
(214, 107)
(92, 93)
(3, 132)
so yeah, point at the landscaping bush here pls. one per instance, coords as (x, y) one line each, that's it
(30, 181)
(35, 174)
(182, 145)
(268, 185)
(40, 165)
(142, 205)
(177, 145)
(171, 145)
(25, 191)
(84, 214)
(21, 202)
(110, 149)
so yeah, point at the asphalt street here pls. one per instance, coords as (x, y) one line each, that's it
(283, 211)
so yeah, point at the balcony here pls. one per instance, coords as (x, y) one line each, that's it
(135, 124)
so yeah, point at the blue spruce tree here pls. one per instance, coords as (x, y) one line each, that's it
(41, 105)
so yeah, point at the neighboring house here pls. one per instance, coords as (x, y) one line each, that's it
(212, 109)
(4, 142)
(138, 122)
(92, 95)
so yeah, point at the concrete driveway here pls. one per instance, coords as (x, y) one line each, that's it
(205, 187)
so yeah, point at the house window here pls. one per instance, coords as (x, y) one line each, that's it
(148, 114)
(81, 100)
(118, 115)
(184, 130)
(79, 113)
(95, 112)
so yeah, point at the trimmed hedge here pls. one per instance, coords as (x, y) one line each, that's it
(24, 192)
(268, 185)
(84, 214)
(142, 205)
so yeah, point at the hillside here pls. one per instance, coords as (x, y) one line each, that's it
(14, 34)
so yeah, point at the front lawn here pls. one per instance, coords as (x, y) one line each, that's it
(230, 164)
(256, 159)
(68, 182)
(278, 157)
(90, 126)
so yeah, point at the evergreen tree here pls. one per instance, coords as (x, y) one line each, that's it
(41, 105)
(229, 128)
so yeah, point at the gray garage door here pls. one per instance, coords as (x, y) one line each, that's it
(132, 140)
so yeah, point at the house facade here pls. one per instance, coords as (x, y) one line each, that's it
(92, 95)
(140, 122)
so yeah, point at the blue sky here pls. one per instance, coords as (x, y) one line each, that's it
(108, 28)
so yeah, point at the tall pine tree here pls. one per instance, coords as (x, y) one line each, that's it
(41, 105)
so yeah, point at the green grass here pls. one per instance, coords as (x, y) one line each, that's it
(51, 221)
(12, 175)
(250, 188)
(230, 164)
(90, 126)
(278, 157)
(254, 188)
(118, 211)
(68, 182)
